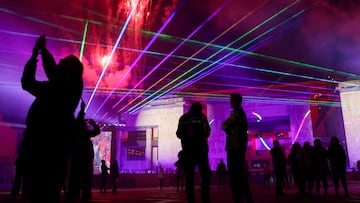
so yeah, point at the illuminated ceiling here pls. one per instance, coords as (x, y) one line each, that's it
(138, 51)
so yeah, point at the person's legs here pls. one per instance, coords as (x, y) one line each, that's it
(278, 183)
(103, 184)
(336, 181)
(17, 182)
(161, 181)
(114, 184)
(344, 183)
(266, 181)
(205, 174)
(87, 183)
(223, 176)
(317, 183)
(219, 180)
(177, 182)
(245, 185)
(182, 183)
(44, 181)
(234, 176)
(325, 183)
(189, 170)
(189, 184)
(74, 181)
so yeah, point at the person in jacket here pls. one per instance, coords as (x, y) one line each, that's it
(193, 131)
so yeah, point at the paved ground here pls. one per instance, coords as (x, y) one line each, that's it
(218, 195)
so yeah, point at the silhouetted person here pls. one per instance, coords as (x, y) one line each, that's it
(19, 175)
(267, 174)
(193, 131)
(308, 156)
(50, 122)
(161, 177)
(221, 173)
(297, 166)
(236, 127)
(82, 157)
(279, 164)
(321, 168)
(114, 172)
(180, 172)
(337, 158)
(104, 176)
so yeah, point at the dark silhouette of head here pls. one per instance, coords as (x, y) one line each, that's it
(296, 146)
(71, 67)
(334, 141)
(276, 143)
(307, 145)
(195, 108)
(317, 143)
(235, 100)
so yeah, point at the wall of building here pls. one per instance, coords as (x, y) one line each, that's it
(350, 95)
(161, 116)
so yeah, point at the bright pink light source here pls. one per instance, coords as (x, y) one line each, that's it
(104, 60)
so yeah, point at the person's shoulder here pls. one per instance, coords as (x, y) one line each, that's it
(182, 117)
(238, 111)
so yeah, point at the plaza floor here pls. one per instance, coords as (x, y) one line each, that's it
(218, 195)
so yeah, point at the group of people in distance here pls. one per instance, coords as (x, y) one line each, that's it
(310, 166)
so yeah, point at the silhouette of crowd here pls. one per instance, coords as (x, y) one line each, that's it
(310, 166)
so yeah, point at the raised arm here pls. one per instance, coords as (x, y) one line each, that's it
(28, 80)
(96, 129)
(81, 114)
(48, 60)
